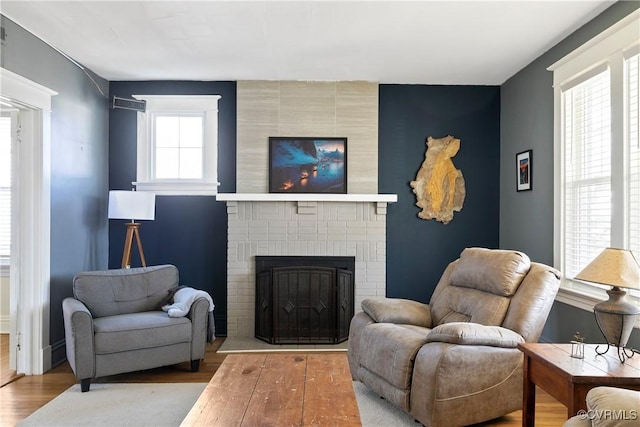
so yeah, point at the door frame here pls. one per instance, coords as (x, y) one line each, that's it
(30, 273)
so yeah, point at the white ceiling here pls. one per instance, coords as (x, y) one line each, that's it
(422, 42)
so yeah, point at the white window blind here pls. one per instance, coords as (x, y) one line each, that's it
(596, 156)
(632, 84)
(587, 133)
(5, 186)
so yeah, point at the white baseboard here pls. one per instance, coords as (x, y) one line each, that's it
(5, 324)
(46, 359)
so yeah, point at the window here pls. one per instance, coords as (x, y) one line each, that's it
(597, 150)
(178, 144)
(8, 121)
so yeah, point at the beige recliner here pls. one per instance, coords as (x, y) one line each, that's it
(608, 407)
(455, 361)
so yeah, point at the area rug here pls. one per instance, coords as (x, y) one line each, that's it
(121, 404)
(154, 404)
(378, 412)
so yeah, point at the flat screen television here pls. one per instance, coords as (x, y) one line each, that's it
(313, 165)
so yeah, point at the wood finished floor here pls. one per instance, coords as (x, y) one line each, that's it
(6, 375)
(25, 395)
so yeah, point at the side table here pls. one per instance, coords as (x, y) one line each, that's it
(567, 379)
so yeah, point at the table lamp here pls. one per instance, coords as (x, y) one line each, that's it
(133, 205)
(615, 317)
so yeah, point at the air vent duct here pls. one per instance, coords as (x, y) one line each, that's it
(129, 104)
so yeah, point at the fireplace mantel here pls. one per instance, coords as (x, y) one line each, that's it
(301, 197)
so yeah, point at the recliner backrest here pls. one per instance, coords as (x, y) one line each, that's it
(496, 288)
(479, 286)
(122, 291)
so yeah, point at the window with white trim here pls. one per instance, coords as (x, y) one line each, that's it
(8, 122)
(597, 160)
(178, 144)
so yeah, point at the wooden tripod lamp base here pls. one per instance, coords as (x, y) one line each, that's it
(133, 205)
(132, 230)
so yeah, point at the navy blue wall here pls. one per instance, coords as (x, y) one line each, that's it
(188, 231)
(418, 251)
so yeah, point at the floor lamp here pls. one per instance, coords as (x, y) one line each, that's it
(615, 317)
(133, 205)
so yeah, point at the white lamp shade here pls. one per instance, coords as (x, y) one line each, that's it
(133, 205)
(615, 267)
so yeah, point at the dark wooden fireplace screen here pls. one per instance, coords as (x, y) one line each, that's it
(304, 300)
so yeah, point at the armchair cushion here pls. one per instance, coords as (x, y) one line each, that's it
(463, 333)
(131, 290)
(496, 271)
(399, 311)
(150, 329)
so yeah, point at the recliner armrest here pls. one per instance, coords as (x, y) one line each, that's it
(397, 310)
(464, 333)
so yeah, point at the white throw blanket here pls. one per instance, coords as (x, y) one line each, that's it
(182, 301)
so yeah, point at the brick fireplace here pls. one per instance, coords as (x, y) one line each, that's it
(271, 225)
(263, 224)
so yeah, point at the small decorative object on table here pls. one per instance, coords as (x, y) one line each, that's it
(577, 346)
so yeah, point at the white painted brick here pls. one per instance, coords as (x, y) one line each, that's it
(307, 227)
(268, 210)
(336, 236)
(346, 211)
(246, 327)
(375, 235)
(351, 249)
(378, 225)
(307, 210)
(278, 228)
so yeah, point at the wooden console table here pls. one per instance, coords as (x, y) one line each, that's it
(278, 389)
(551, 367)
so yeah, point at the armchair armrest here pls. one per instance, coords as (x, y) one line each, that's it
(464, 333)
(397, 310)
(199, 316)
(78, 330)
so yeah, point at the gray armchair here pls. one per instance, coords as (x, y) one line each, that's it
(455, 361)
(114, 323)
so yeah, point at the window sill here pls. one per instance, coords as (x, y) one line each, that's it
(585, 297)
(179, 188)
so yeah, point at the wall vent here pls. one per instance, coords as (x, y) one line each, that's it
(129, 104)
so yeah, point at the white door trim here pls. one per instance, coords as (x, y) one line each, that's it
(30, 267)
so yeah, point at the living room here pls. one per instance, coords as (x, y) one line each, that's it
(93, 150)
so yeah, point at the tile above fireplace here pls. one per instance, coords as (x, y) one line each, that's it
(301, 228)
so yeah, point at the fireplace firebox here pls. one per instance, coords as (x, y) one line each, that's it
(304, 299)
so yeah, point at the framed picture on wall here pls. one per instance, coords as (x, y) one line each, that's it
(523, 171)
(307, 165)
